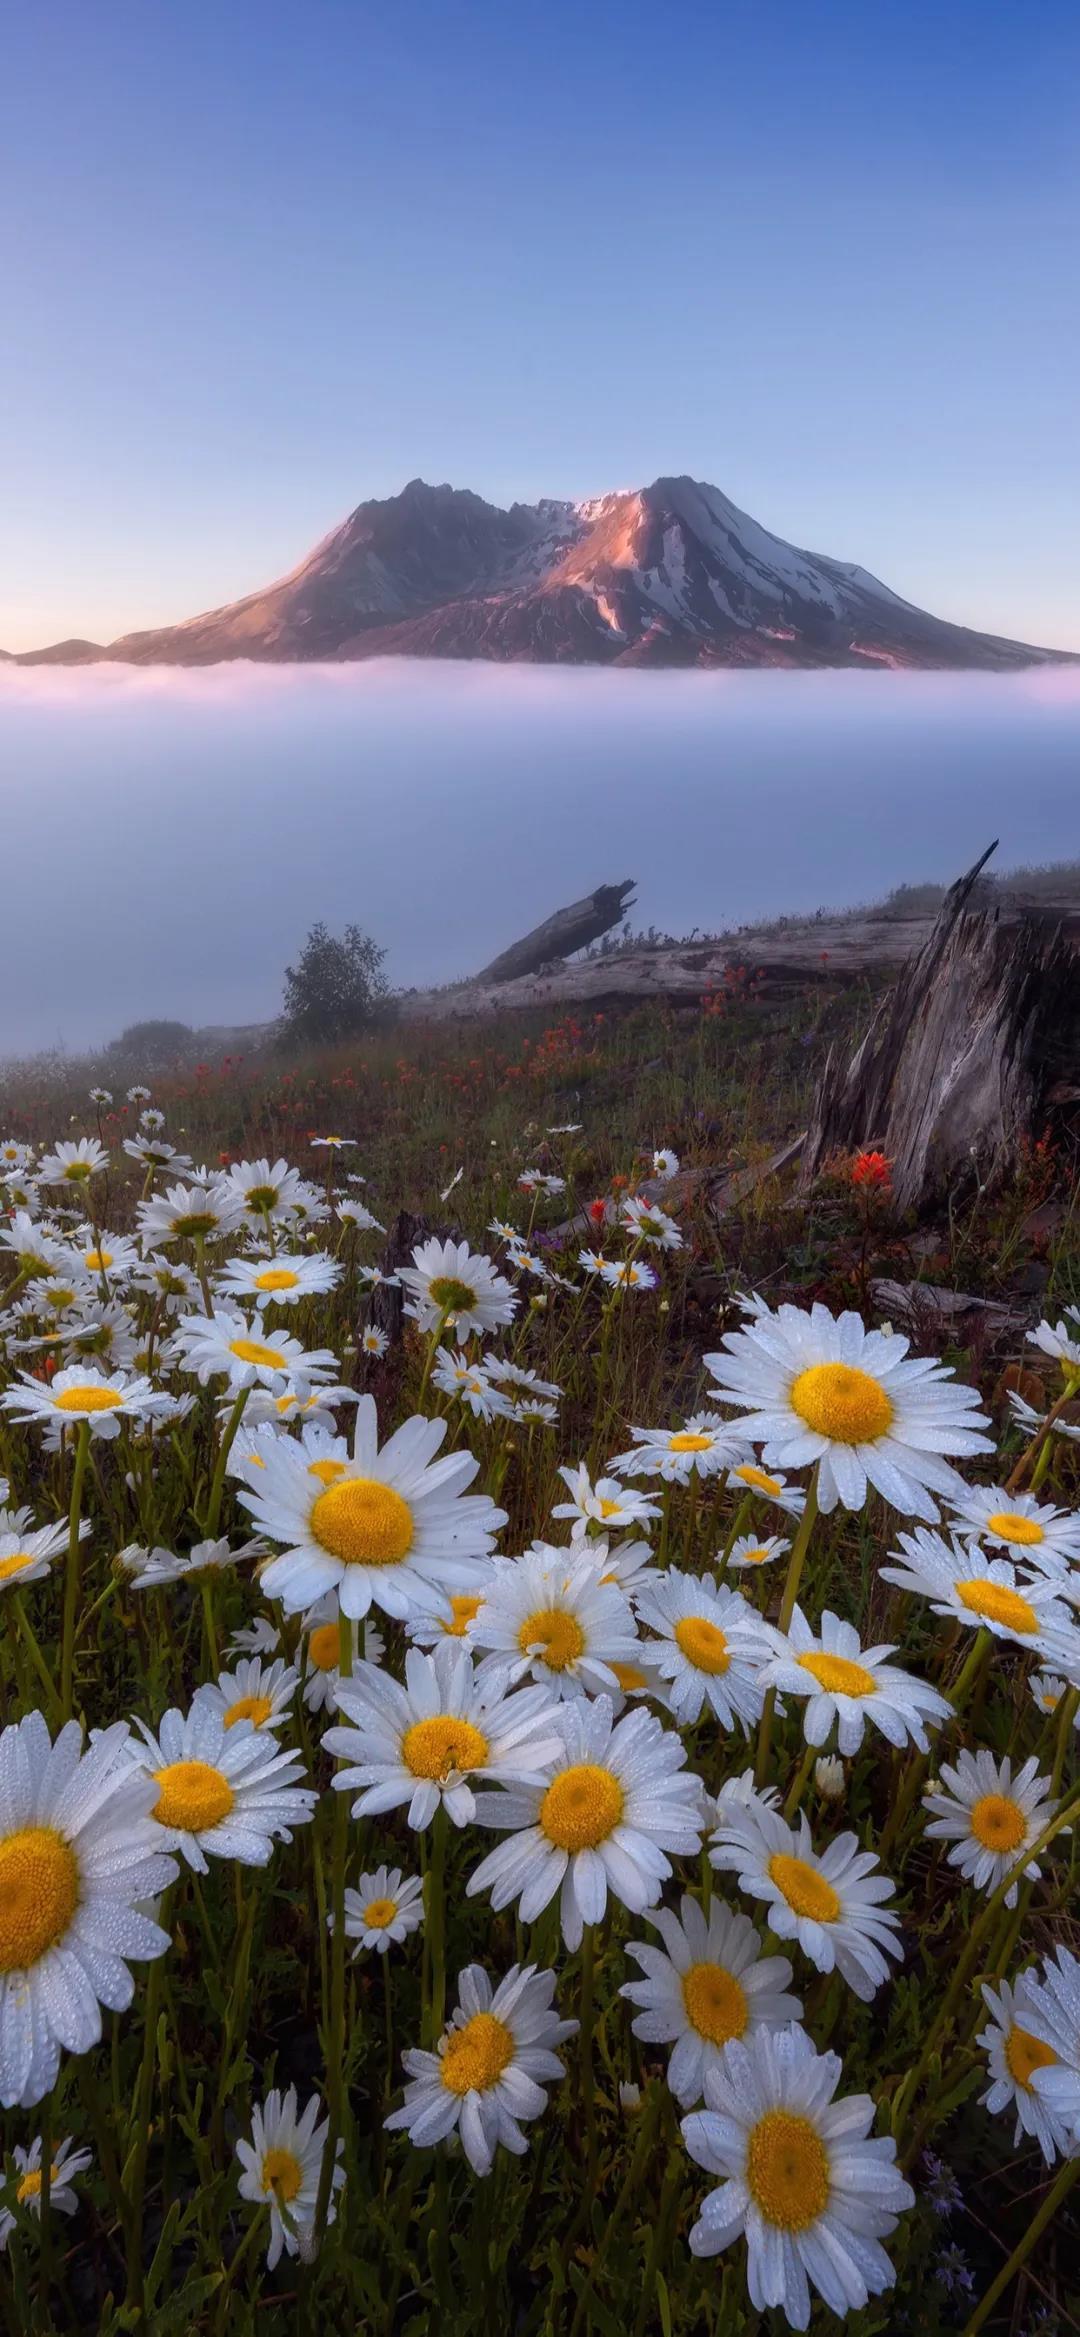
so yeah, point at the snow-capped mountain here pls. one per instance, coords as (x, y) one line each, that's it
(672, 574)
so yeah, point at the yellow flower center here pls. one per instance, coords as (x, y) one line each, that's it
(88, 1399)
(838, 1401)
(98, 1260)
(324, 1647)
(261, 1198)
(39, 1892)
(197, 1225)
(609, 1508)
(435, 1747)
(998, 1604)
(379, 1914)
(277, 1278)
(715, 2003)
(554, 1635)
(326, 1470)
(194, 1796)
(1014, 1528)
(755, 1557)
(686, 1442)
(451, 1296)
(464, 1607)
(758, 1479)
(253, 1351)
(253, 1708)
(1023, 2053)
(282, 2175)
(787, 2169)
(628, 1676)
(581, 1807)
(473, 2058)
(836, 1674)
(363, 1523)
(998, 1822)
(703, 1643)
(16, 1564)
(807, 1892)
(30, 2187)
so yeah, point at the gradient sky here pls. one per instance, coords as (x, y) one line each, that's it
(264, 260)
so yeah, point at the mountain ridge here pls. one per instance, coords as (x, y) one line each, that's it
(673, 574)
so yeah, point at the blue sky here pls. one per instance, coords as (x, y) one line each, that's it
(262, 261)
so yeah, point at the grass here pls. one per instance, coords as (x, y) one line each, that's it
(589, 2230)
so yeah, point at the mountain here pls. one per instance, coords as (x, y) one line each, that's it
(671, 574)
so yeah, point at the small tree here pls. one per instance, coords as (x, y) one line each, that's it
(336, 989)
(152, 1046)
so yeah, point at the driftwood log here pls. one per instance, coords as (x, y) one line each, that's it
(954, 1075)
(568, 930)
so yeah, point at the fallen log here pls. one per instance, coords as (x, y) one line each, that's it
(559, 935)
(952, 1078)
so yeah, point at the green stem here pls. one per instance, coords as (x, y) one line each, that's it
(217, 1488)
(1059, 2190)
(71, 1583)
(787, 1607)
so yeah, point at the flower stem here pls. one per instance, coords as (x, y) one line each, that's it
(787, 1607)
(1059, 2189)
(71, 1584)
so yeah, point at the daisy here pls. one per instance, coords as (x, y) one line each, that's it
(264, 1191)
(711, 1648)
(452, 1616)
(822, 1389)
(279, 1281)
(618, 1802)
(260, 1693)
(333, 1143)
(701, 1447)
(258, 1638)
(516, 1375)
(627, 1274)
(1031, 1531)
(388, 1526)
(153, 1569)
(489, 2068)
(1025, 1417)
(73, 1164)
(14, 1155)
(205, 1210)
(26, 1558)
(325, 1629)
(1015, 2049)
(504, 1232)
(982, 1592)
(37, 1254)
(1061, 1340)
(607, 1503)
(454, 1289)
(750, 1550)
(470, 1384)
(830, 1900)
(82, 1393)
(168, 1281)
(354, 1213)
(534, 1180)
(373, 1341)
(79, 1858)
(1057, 2019)
(767, 1485)
(110, 1253)
(1047, 1691)
(711, 1985)
(845, 1682)
(152, 1152)
(802, 2177)
(665, 1164)
(221, 1346)
(383, 1909)
(591, 1261)
(231, 1792)
(282, 2169)
(647, 1222)
(416, 1747)
(526, 1261)
(990, 1816)
(630, 1564)
(66, 2164)
(549, 1614)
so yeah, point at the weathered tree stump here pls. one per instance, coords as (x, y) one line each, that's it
(567, 930)
(957, 1070)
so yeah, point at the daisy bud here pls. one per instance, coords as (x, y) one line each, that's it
(829, 1778)
(629, 2099)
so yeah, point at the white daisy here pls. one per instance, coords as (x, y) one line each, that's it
(279, 1281)
(73, 1164)
(469, 1382)
(711, 1647)
(38, 1255)
(490, 2067)
(1047, 1690)
(333, 1143)
(387, 1525)
(373, 1341)
(82, 1392)
(702, 1447)
(802, 2177)
(229, 1791)
(830, 1900)
(630, 1564)
(549, 1613)
(282, 2169)
(1025, 1417)
(1032, 1532)
(1015, 2049)
(519, 1375)
(619, 1801)
(153, 1569)
(1057, 2082)
(449, 1615)
(266, 1190)
(607, 1503)
(711, 1985)
(753, 1550)
(990, 1816)
(982, 1592)
(258, 1638)
(1061, 1340)
(222, 1346)
(383, 1909)
(79, 1857)
(646, 1221)
(111, 1254)
(822, 1389)
(665, 1164)
(26, 1558)
(627, 1274)
(417, 1746)
(851, 1684)
(205, 1210)
(766, 1485)
(152, 1152)
(354, 1213)
(453, 1288)
(324, 1628)
(258, 1692)
(65, 2165)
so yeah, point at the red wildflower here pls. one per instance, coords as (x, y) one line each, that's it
(871, 1168)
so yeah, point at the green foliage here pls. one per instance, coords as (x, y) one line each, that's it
(335, 991)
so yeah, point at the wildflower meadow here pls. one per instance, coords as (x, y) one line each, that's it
(538, 1768)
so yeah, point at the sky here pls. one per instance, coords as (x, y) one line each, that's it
(264, 261)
